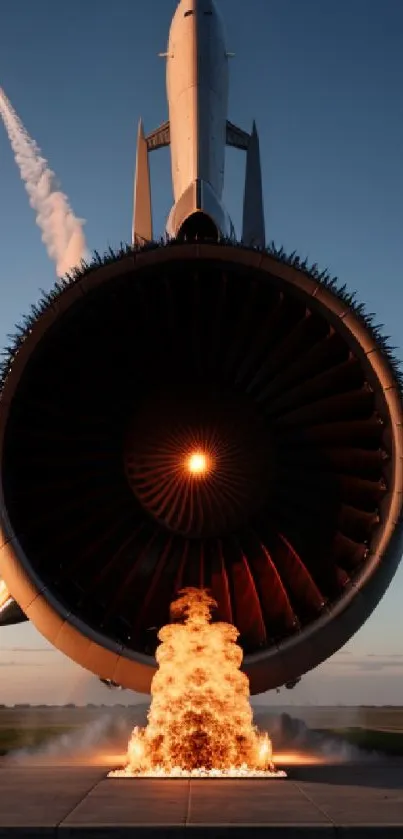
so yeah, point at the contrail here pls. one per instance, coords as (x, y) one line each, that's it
(62, 232)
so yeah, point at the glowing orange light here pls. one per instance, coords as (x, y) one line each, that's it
(200, 721)
(198, 463)
(302, 759)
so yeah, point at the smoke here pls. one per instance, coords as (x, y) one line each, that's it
(290, 734)
(103, 741)
(62, 232)
(88, 744)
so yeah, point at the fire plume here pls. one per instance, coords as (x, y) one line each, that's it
(200, 719)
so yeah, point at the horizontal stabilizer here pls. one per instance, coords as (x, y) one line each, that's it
(236, 137)
(159, 138)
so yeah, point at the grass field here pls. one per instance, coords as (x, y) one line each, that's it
(31, 728)
(373, 729)
(385, 742)
(27, 738)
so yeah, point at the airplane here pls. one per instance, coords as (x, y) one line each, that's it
(310, 609)
(197, 133)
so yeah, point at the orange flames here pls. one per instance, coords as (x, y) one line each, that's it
(200, 719)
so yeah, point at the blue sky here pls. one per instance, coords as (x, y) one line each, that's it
(323, 80)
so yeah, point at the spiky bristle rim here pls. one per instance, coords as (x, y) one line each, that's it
(48, 298)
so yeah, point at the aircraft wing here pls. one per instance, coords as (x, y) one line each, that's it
(10, 612)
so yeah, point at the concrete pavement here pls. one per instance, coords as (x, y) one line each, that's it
(351, 801)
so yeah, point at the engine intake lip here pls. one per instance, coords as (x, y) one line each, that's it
(305, 647)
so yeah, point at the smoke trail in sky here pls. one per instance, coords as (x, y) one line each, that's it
(62, 232)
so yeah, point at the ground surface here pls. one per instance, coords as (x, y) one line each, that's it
(353, 802)
(379, 729)
(385, 717)
(39, 798)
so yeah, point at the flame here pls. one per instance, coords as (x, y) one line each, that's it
(200, 719)
(302, 759)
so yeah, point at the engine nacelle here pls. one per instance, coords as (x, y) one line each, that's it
(272, 375)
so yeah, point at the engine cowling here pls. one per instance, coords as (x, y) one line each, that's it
(277, 379)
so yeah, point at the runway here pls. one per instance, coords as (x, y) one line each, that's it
(353, 801)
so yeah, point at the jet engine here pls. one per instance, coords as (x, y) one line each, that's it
(199, 414)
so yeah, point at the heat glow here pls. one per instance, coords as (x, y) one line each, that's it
(200, 719)
(197, 463)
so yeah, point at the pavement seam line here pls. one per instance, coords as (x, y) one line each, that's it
(187, 814)
(77, 804)
(318, 807)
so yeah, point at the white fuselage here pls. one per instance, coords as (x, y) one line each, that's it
(197, 90)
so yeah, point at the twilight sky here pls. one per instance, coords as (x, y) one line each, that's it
(323, 78)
